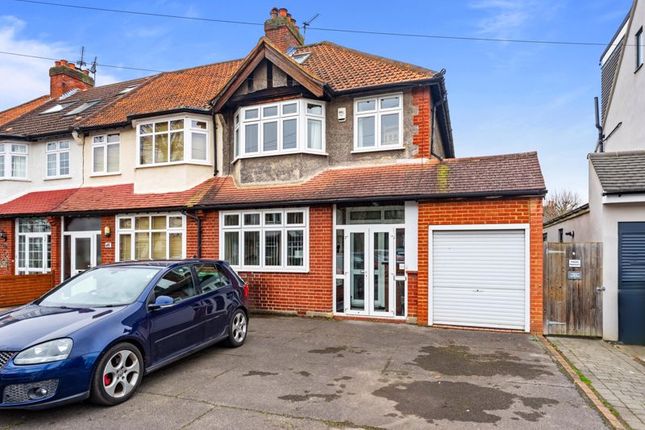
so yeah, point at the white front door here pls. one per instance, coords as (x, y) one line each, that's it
(370, 259)
(84, 251)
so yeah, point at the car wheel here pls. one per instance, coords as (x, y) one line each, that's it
(238, 328)
(118, 375)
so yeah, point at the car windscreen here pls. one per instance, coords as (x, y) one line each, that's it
(105, 286)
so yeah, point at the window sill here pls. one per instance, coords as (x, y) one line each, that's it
(279, 153)
(15, 180)
(100, 175)
(379, 149)
(56, 178)
(304, 270)
(179, 163)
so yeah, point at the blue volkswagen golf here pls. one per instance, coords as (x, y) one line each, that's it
(96, 335)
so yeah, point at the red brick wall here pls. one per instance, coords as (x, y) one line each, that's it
(422, 120)
(210, 235)
(413, 285)
(108, 255)
(21, 289)
(300, 292)
(512, 211)
(55, 228)
(8, 247)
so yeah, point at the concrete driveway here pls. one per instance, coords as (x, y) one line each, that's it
(312, 373)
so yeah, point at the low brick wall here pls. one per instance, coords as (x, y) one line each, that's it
(21, 289)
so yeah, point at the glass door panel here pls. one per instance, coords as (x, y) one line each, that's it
(357, 275)
(82, 254)
(381, 271)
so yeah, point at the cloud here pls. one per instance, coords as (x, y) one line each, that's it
(21, 78)
(506, 19)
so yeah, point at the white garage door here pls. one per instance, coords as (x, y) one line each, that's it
(479, 278)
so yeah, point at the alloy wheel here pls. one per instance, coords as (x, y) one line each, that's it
(121, 374)
(239, 327)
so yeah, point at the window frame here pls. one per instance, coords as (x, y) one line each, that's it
(302, 117)
(132, 230)
(640, 57)
(262, 228)
(57, 152)
(378, 113)
(8, 154)
(26, 269)
(187, 131)
(104, 145)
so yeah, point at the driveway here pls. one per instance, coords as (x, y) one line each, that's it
(313, 374)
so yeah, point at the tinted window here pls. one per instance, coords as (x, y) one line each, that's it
(211, 277)
(178, 284)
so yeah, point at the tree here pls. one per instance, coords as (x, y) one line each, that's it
(560, 202)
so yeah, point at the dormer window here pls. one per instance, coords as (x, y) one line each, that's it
(172, 141)
(280, 128)
(378, 123)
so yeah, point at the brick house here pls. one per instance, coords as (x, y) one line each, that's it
(325, 176)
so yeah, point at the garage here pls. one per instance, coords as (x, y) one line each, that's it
(478, 276)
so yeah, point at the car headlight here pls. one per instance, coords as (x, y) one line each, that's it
(54, 350)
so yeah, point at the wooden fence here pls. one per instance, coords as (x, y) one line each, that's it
(20, 289)
(573, 289)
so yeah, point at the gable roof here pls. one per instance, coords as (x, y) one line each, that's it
(17, 111)
(267, 50)
(36, 123)
(346, 69)
(620, 172)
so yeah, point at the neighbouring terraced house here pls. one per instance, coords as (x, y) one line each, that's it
(325, 176)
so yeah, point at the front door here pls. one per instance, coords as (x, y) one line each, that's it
(371, 271)
(84, 251)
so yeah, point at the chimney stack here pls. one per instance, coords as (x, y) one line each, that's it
(65, 76)
(282, 31)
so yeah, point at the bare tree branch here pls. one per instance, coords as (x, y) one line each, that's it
(560, 202)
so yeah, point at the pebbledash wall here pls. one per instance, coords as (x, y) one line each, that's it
(512, 211)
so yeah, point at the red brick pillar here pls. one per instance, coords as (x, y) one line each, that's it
(210, 234)
(8, 247)
(536, 257)
(108, 243)
(56, 241)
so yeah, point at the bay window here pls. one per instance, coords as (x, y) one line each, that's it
(151, 237)
(33, 246)
(105, 153)
(277, 128)
(378, 123)
(58, 159)
(13, 161)
(266, 240)
(171, 141)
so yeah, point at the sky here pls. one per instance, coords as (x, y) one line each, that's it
(503, 97)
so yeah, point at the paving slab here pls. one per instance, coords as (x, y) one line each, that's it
(614, 371)
(315, 373)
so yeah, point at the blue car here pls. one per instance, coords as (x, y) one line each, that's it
(96, 335)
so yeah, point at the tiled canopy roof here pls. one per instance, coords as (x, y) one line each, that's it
(620, 172)
(502, 175)
(345, 69)
(18, 111)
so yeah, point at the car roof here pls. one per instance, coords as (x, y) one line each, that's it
(162, 263)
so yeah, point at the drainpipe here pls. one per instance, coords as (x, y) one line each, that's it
(198, 220)
(600, 146)
(434, 106)
(215, 172)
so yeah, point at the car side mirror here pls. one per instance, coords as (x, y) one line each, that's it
(161, 302)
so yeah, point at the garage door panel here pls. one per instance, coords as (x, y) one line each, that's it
(479, 278)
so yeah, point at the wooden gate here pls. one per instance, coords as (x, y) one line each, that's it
(573, 289)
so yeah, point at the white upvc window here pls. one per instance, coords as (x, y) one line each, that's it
(378, 123)
(269, 240)
(151, 237)
(105, 153)
(280, 128)
(172, 141)
(13, 161)
(33, 246)
(57, 159)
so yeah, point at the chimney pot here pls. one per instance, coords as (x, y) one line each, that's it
(283, 12)
(65, 76)
(282, 31)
